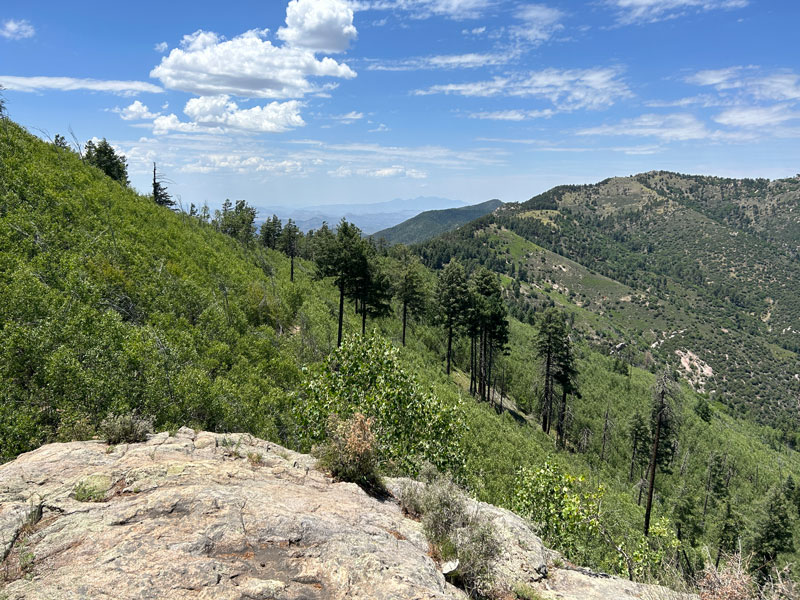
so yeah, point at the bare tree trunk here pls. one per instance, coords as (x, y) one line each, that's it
(633, 455)
(562, 415)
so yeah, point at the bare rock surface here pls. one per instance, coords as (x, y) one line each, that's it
(203, 515)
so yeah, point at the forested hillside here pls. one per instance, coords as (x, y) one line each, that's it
(538, 368)
(431, 223)
(698, 272)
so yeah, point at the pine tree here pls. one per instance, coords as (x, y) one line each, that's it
(288, 242)
(664, 425)
(160, 195)
(452, 295)
(342, 256)
(103, 156)
(550, 348)
(410, 290)
(270, 232)
(773, 533)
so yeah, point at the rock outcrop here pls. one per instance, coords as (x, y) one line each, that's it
(203, 515)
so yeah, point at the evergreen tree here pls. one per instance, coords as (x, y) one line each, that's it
(375, 290)
(664, 425)
(452, 296)
(773, 533)
(342, 256)
(288, 242)
(270, 232)
(236, 221)
(410, 289)
(639, 434)
(486, 316)
(160, 195)
(103, 156)
(550, 343)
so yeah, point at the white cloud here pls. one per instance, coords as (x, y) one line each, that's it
(539, 22)
(318, 25)
(470, 60)
(669, 128)
(349, 118)
(165, 124)
(513, 115)
(383, 172)
(17, 30)
(474, 31)
(161, 47)
(135, 112)
(248, 65)
(37, 84)
(241, 163)
(757, 116)
(220, 111)
(650, 11)
(567, 90)
(379, 129)
(423, 9)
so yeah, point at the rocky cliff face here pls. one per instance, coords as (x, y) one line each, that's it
(203, 515)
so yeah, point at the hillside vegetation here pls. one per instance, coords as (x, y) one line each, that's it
(110, 304)
(431, 223)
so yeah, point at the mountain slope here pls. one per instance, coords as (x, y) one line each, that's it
(705, 289)
(431, 223)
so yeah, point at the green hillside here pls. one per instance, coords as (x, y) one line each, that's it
(653, 265)
(431, 223)
(110, 304)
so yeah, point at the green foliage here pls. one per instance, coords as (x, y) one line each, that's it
(564, 516)
(125, 429)
(103, 156)
(368, 376)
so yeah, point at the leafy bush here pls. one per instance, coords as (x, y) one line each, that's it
(350, 452)
(366, 375)
(125, 429)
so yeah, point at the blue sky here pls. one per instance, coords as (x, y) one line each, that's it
(321, 101)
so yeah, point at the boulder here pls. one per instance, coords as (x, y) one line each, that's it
(204, 515)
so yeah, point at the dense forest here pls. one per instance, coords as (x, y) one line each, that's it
(540, 388)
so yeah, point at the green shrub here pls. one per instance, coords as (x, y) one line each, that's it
(350, 452)
(411, 425)
(125, 429)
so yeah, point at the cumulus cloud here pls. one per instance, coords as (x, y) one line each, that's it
(38, 84)
(650, 11)
(161, 47)
(275, 117)
(135, 112)
(318, 25)
(248, 65)
(567, 89)
(17, 30)
(239, 163)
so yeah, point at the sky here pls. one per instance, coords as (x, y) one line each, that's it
(307, 102)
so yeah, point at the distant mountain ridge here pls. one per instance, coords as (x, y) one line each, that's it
(431, 223)
(369, 217)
